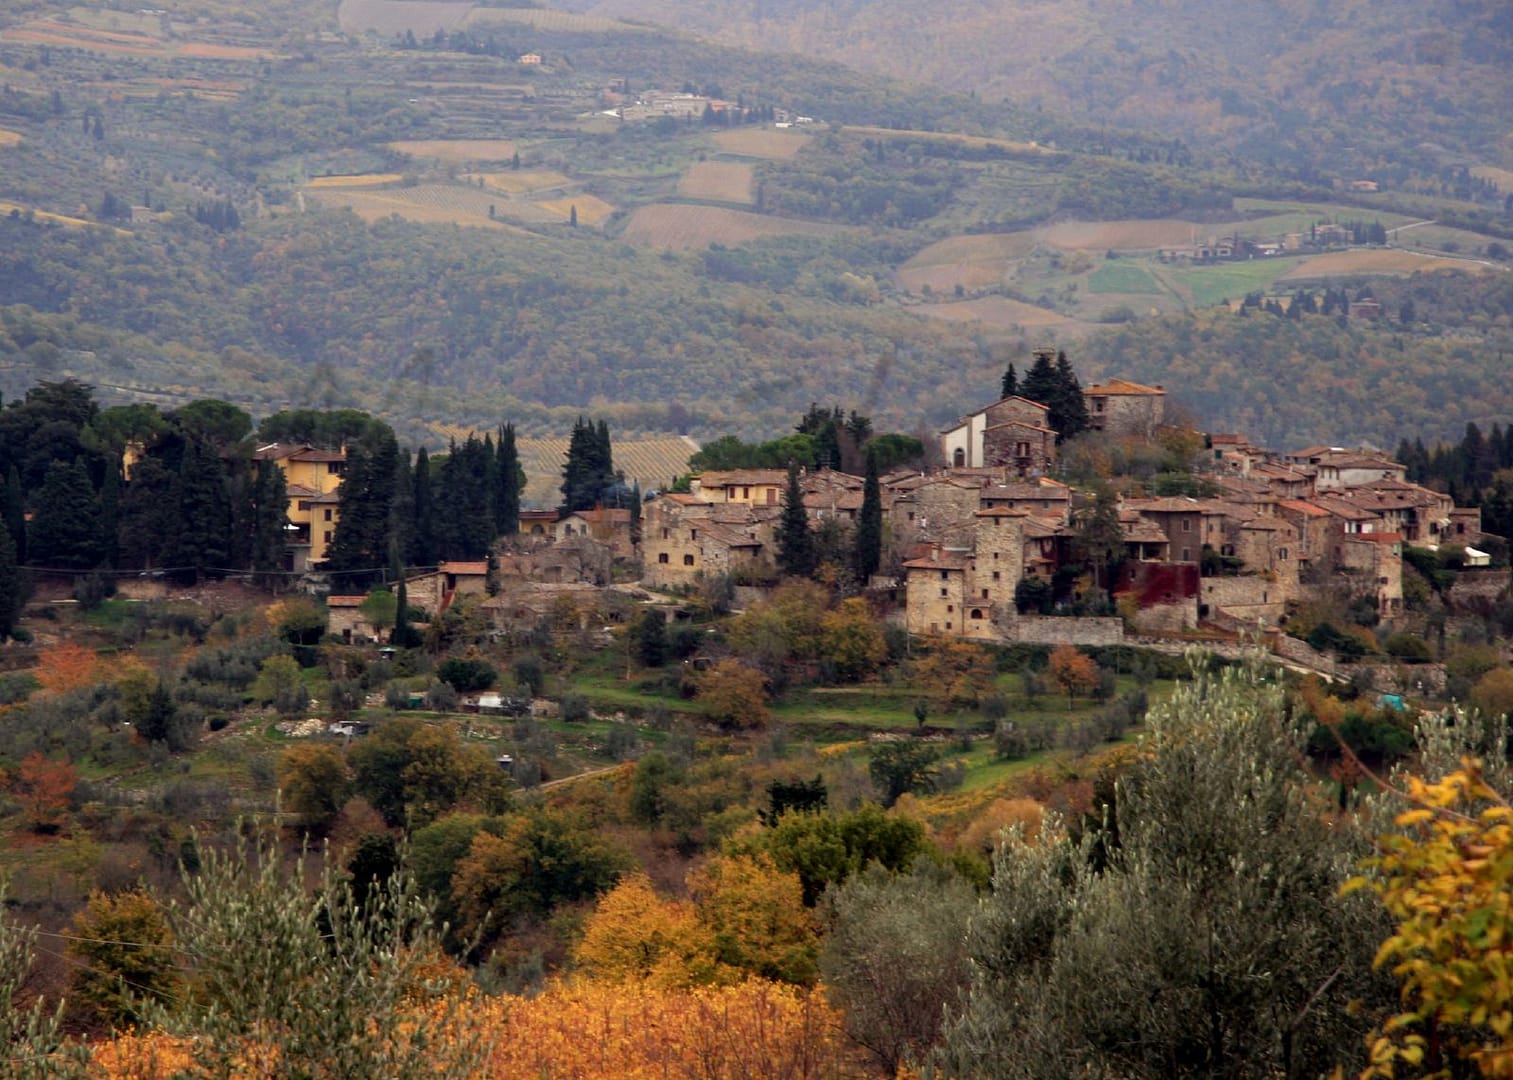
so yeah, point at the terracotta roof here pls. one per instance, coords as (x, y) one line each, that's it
(1025, 491)
(1025, 424)
(344, 601)
(949, 560)
(299, 491)
(278, 451)
(466, 569)
(326, 497)
(315, 454)
(1036, 528)
(683, 498)
(1377, 538)
(743, 477)
(842, 500)
(1165, 504)
(731, 537)
(1002, 512)
(604, 516)
(1343, 508)
(1121, 388)
(1298, 506)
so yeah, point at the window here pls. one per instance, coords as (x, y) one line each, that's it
(329, 536)
(950, 607)
(985, 594)
(1187, 525)
(328, 515)
(944, 576)
(943, 593)
(662, 558)
(695, 534)
(959, 459)
(1282, 554)
(665, 534)
(977, 613)
(996, 575)
(746, 493)
(911, 515)
(948, 624)
(334, 468)
(1187, 554)
(687, 560)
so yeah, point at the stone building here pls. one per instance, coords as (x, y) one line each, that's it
(1121, 407)
(1011, 433)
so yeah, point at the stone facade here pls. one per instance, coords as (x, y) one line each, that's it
(969, 445)
(1249, 599)
(1123, 408)
(1377, 559)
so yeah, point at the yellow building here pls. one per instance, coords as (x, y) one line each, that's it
(312, 477)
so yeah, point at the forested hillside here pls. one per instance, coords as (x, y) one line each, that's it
(1348, 86)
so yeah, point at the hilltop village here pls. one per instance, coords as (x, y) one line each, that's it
(988, 545)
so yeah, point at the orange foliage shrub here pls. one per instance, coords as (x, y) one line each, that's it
(981, 836)
(66, 667)
(751, 1031)
(43, 787)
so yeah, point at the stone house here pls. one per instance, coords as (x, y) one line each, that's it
(1120, 407)
(684, 540)
(1376, 561)
(1312, 524)
(936, 505)
(1010, 432)
(1180, 519)
(608, 526)
(345, 620)
(968, 591)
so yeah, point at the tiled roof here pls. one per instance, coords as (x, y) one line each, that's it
(465, 569)
(1121, 388)
(344, 601)
(948, 560)
(1307, 509)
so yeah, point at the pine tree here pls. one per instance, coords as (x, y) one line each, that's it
(511, 484)
(796, 550)
(869, 527)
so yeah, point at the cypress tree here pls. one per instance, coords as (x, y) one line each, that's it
(589, 468)
(65, 525)
(511, 483)
(635, 514)
(1010, 387)
(422, 547)
(796, 549)
(869, 526)
(367, 494)
(1041, 383)
(199, 496)
(1069, 412)
(15, 513)
(270, 503)
(110, 509)
(10, 585)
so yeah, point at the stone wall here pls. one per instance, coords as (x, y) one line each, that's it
(1248, 598)
(1478, 591)
(1057, 630)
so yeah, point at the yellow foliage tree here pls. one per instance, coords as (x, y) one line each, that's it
(636, 934)
(954, 673)
(852, 640)
(756, 915)
(312, 780)
(1446, 879)
(65, 667)
(734, 696)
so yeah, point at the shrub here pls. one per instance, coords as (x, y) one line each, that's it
(467, 676)
(574, 708)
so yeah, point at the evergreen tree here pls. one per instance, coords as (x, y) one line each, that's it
(65, 525)
(14, 512)
(361, 545)
(651, 638)
(422, 547)
(270, 503)
(402, 512)
(796, 549)
(590, 466)
(465, 524)
(1041, 384)
(869, 527)
(110, 510)
(11, 586)
(635, 514)
(1097, 534)
(200, 542)
(511, 484)
(1010, 387)
(1069, 413)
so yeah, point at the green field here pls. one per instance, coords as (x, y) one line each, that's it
(1229, 281)
(1123, 278)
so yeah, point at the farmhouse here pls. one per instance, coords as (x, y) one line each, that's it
(1011, 432)
(1121, 407)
